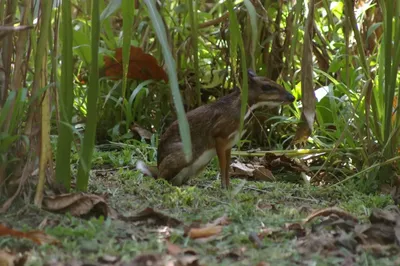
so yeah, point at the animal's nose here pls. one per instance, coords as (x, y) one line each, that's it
(290, 97)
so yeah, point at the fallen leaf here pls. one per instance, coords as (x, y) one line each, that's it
(205, 232)
(328, 211)
(262, 173)
(268, 231)
(379, 233)
(266, 206)
(276, 162)
(253, 170)
(381, 250)
(236, 254)
(183, 256)
(241, 168)
(77, 204)
(150, 215)
(297, 228)
(36, 236)
(173, 249)
(383, 216)
(149, 259)
(108, 259)
(223, 220)
(11, 259)
(263, 263)
(187, 260)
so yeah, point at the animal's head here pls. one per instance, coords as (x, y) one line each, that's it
(266, 92)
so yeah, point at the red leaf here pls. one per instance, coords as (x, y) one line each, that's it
(36, 236)
(142, 66)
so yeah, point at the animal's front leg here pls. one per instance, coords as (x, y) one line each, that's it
(220, 145)
(228, 162)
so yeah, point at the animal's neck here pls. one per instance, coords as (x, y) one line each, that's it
(251, 105)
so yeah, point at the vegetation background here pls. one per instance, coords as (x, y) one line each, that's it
(81, 78)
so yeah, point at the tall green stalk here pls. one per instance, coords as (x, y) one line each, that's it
(93, 92)
(127, 13)
(235, 42)
(159, 28)
(66, 96)
(195, 44)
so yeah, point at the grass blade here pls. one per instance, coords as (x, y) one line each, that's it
(254, 30)
(39, 82)
(195, 45)
(66, 96)
(127, 14)
(85, 161)
(237, 40)
(171, 69)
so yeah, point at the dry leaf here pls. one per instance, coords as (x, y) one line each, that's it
(263, 263)
(297, 228)
(223, 220)
(268, 231)
(150, 214)
(307, 86)
(254, 170)
(276, 162)
(262, 173)
(78, 204)
(108, 259)
(236, 254)
(328, 211)
(149, 259)
(242, 169)
(173, 249)
(36, 236)
(205, 232)
(184, 257)
(10, 259)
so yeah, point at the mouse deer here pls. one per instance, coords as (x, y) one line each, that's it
(214, 130)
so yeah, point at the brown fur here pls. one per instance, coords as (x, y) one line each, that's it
(211, 127)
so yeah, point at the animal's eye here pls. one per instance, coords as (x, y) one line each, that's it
(268, 87)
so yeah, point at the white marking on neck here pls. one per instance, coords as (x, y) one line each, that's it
(260, 104)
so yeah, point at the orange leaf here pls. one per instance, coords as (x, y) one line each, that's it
(38, 237)
(205, 232)
(142, 66)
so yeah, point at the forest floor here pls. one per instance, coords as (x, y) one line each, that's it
(255, 223)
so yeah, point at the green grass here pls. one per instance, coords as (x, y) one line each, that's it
(202, 199)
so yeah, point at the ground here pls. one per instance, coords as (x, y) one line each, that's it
(253, 231)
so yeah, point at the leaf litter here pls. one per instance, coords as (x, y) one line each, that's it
(262, 169)
(327, 232)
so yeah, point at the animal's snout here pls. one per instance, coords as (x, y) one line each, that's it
(290, 97)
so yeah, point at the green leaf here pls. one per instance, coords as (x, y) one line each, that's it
(82, 46)
(64, 141)
(85, 161)
(373, 28)
(112, 6)
(127, 14)
(171, 70)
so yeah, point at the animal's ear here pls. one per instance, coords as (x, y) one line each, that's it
(251, 73)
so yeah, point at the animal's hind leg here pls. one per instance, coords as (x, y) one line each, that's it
(172, 169)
